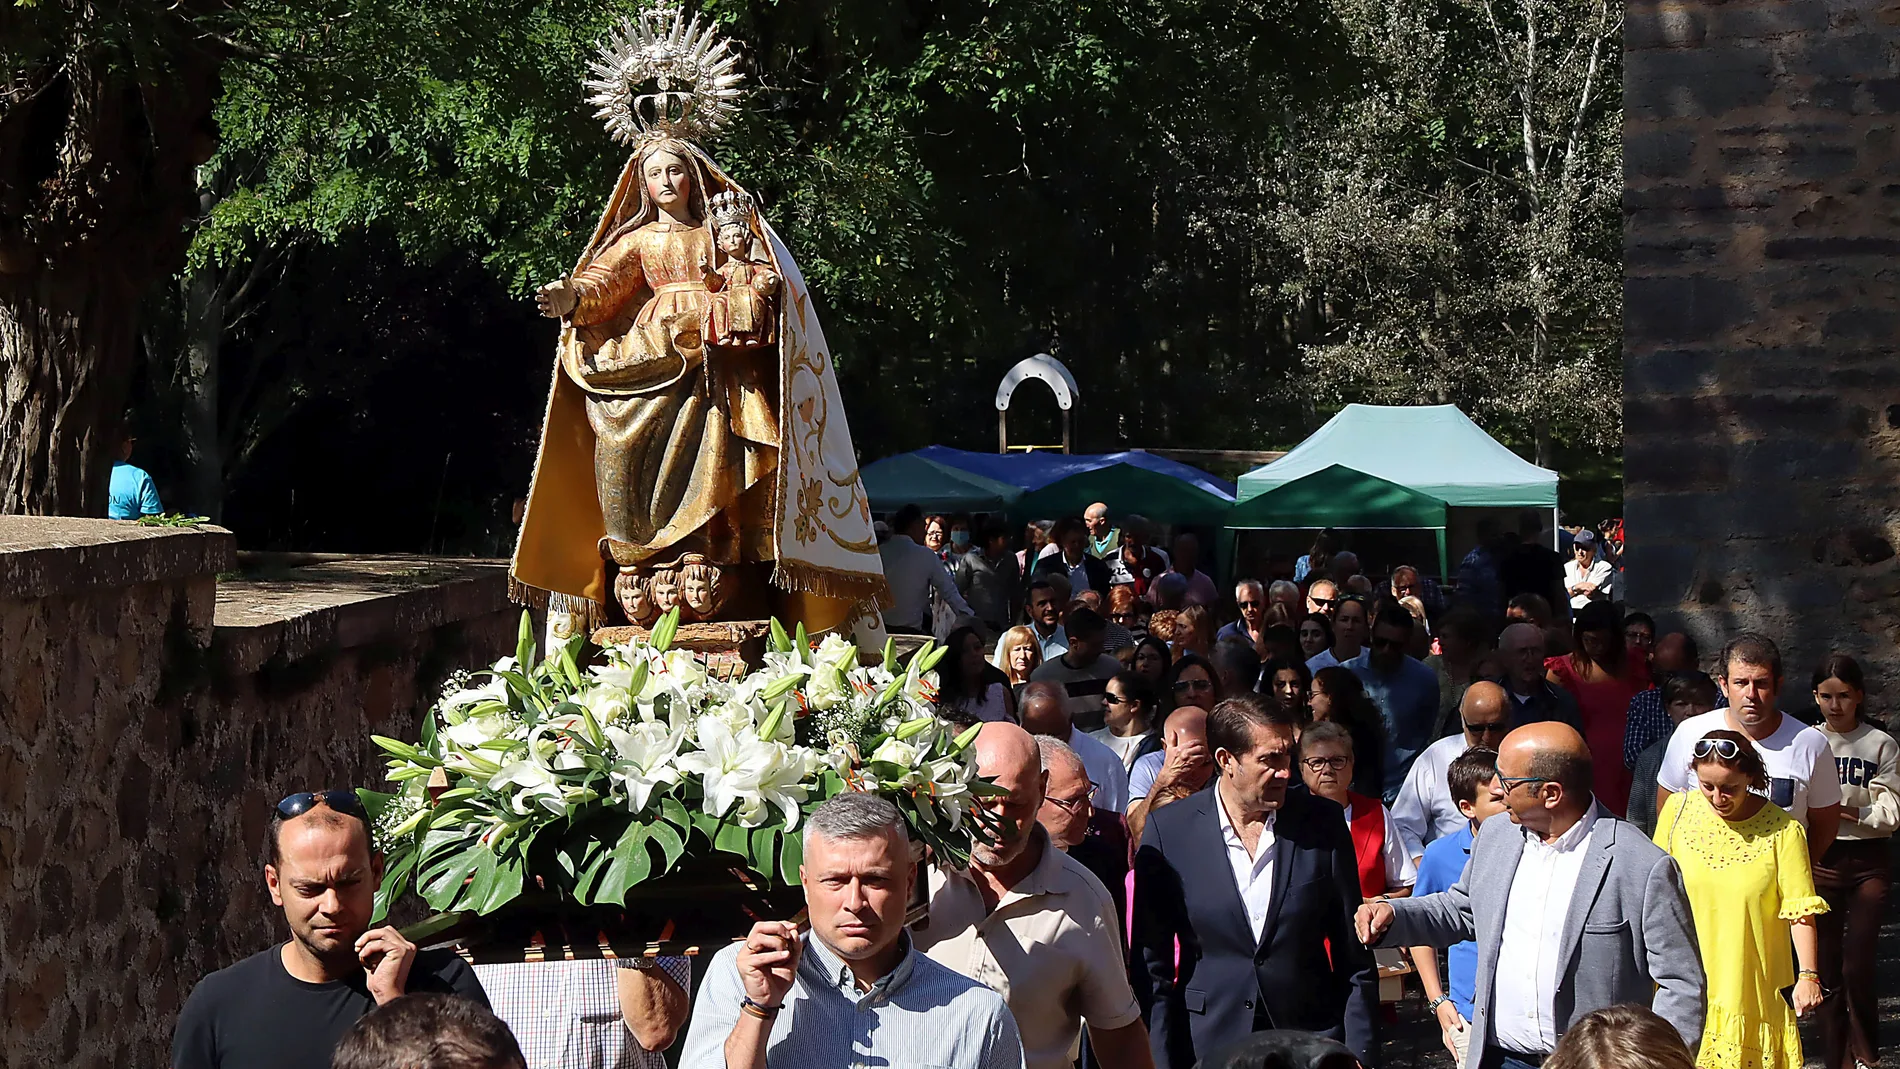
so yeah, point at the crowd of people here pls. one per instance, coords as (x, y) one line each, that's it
(1222, 817)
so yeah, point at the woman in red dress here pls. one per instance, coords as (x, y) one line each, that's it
(1603, 678)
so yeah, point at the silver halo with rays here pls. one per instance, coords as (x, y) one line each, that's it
(662, 76)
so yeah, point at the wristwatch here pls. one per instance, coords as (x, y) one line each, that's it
(1432, 1006)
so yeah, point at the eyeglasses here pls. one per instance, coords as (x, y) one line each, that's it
(1321, 764)
(1499, 728)
(1248, 604)
(1072, 805)
(1193, 684)
(340, 800)
(1510, 782)
(1726, 749)
(1324, 603)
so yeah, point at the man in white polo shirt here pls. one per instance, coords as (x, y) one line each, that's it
(1801, 773)
(1036, 926)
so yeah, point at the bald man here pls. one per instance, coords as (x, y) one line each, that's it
(1425, 809)
(1105, 542)
(1572, 910)
(1035, 925)
(1181, 767)
(1043, 707)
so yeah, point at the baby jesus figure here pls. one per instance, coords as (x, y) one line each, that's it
(744, 311)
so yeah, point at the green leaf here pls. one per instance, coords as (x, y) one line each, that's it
(428, 928)
(588, 883)
(441, 880)
(427, 735)
(481, 880)
(505, 885)
(675, 813)
(791, 854)
(762, 853)
(671, 845)
(396, 881)
(631, 864)
(374, 802)
(733, 839)
(524, 641)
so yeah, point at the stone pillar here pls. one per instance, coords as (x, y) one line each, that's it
(1761, 306)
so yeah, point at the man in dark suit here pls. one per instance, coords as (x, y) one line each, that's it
(1256, 884)
(1072, 561)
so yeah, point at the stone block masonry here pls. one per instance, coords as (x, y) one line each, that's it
(158, 693)
(1762, 313)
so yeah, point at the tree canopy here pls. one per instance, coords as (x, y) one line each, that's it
(1227, 218)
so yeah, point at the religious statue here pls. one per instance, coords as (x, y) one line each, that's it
(695, 452)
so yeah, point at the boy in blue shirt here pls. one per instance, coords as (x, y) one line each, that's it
(132, 493)
(1472, 775)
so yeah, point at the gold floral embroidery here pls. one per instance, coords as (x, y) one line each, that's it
(811, 497)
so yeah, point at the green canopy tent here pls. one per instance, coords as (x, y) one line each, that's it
(1156, 495)
(908, 479)
(1340, 497)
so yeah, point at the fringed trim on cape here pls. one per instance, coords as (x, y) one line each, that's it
(837, 583)
(590, 614)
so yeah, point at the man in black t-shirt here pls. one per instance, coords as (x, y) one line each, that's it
(287, 1007)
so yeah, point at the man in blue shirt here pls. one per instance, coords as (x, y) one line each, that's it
(1403, 688)
(132, 493)
(1472, 776)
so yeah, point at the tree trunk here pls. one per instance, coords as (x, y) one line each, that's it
(204, 335)
(97, 160)
(67, 347)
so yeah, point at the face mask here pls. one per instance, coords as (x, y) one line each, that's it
(959, 539)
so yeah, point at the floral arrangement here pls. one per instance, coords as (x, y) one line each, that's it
(586, 782)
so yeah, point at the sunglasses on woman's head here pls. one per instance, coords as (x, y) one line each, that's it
(1726, 749)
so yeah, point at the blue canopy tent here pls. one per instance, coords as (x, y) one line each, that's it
(909, 479)
(1033, 471)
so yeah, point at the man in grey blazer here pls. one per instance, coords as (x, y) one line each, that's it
(1572, 909)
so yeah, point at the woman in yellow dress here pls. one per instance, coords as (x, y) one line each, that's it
(1745, 865)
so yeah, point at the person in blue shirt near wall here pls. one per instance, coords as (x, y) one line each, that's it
(1472, 775)
(133, 494)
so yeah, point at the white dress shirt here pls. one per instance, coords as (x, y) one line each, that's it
(1253, 873)
(1524, 992)
(912, 571)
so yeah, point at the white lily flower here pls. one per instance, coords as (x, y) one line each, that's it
(644, 760)
(744, 774)
(608, 703)
(495, 690)
(476, 730)
(827, 688)
(539, 786)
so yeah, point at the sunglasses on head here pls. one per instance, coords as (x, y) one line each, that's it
(343, 801)
(1726, 749)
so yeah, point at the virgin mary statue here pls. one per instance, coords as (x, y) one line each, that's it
(695, 453)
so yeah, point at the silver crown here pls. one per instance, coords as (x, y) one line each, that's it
(732, 206)
(661, 76)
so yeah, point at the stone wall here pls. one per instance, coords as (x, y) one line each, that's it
(1762, 301)
(150, 715)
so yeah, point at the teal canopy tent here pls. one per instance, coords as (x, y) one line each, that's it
(908, 479)
(1158, 496)
(1337, 496)
(1433, 449)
